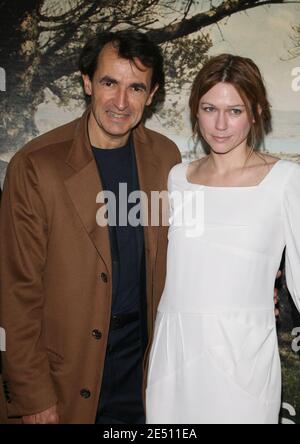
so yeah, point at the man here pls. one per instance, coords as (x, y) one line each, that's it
(78, 300)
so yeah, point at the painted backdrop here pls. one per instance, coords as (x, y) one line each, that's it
(40, 86)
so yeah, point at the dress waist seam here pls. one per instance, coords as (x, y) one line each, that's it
(211, 312)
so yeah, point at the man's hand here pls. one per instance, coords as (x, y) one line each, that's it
(277, 312)
(49, 416)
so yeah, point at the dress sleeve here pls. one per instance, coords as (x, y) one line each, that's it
(291, 207)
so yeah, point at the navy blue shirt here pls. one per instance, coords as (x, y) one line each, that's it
(121, 391)
(116, 167)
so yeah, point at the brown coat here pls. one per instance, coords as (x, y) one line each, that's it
(55, 269)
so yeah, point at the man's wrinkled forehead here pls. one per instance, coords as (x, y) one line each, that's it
(109, 57)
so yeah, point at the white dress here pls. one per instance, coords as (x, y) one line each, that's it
(214, 358)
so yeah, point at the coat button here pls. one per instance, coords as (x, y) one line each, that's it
(84, 393)
(104, 277)
(97, 334)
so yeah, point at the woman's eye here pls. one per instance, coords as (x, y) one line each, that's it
(236, 111)
(209, 109)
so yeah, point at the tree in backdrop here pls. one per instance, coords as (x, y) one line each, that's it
(41, 41)
(295, 50)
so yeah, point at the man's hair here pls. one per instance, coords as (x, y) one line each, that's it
(130, 45)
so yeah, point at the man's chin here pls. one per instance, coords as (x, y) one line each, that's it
(118, 134)
(118, 131)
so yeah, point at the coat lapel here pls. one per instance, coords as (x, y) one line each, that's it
(83, 187)
(147, 166)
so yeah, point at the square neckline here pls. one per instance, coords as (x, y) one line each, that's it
(267, 176)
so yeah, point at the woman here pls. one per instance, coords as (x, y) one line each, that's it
(214, 357)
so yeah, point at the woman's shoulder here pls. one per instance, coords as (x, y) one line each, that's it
(269, 159)
(178, 175)
(178, 171)
(289, 166)
(286, 175)
(284, 167)
(263, 163)
(292, 172)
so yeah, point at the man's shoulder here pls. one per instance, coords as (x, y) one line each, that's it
(154, 135)
(63, 134)
(164, 147)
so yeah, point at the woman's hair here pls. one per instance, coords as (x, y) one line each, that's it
(244, 75)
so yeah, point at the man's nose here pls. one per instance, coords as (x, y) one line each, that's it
(121, 99)
(221, 123)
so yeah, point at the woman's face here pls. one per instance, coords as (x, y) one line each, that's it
(223, 118)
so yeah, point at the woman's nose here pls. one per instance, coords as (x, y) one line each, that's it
(221, 122)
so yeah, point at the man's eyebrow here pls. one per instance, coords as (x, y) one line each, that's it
(108, 79)
(139, 85)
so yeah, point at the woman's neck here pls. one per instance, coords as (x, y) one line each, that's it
(225, 163)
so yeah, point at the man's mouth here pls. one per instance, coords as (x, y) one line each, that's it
(117, 115)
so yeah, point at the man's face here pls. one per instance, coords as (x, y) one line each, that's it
(119, 90)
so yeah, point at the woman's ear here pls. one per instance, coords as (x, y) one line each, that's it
(259, 110)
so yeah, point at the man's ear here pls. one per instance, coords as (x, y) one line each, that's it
(87, 84)
(152, 94)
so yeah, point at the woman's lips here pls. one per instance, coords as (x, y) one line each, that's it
(221, 139)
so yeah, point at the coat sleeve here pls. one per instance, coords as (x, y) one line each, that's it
(23, 244)
(291, 214)
(178, 156)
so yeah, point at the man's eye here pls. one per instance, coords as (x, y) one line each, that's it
(137, 89)
(107, 83)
